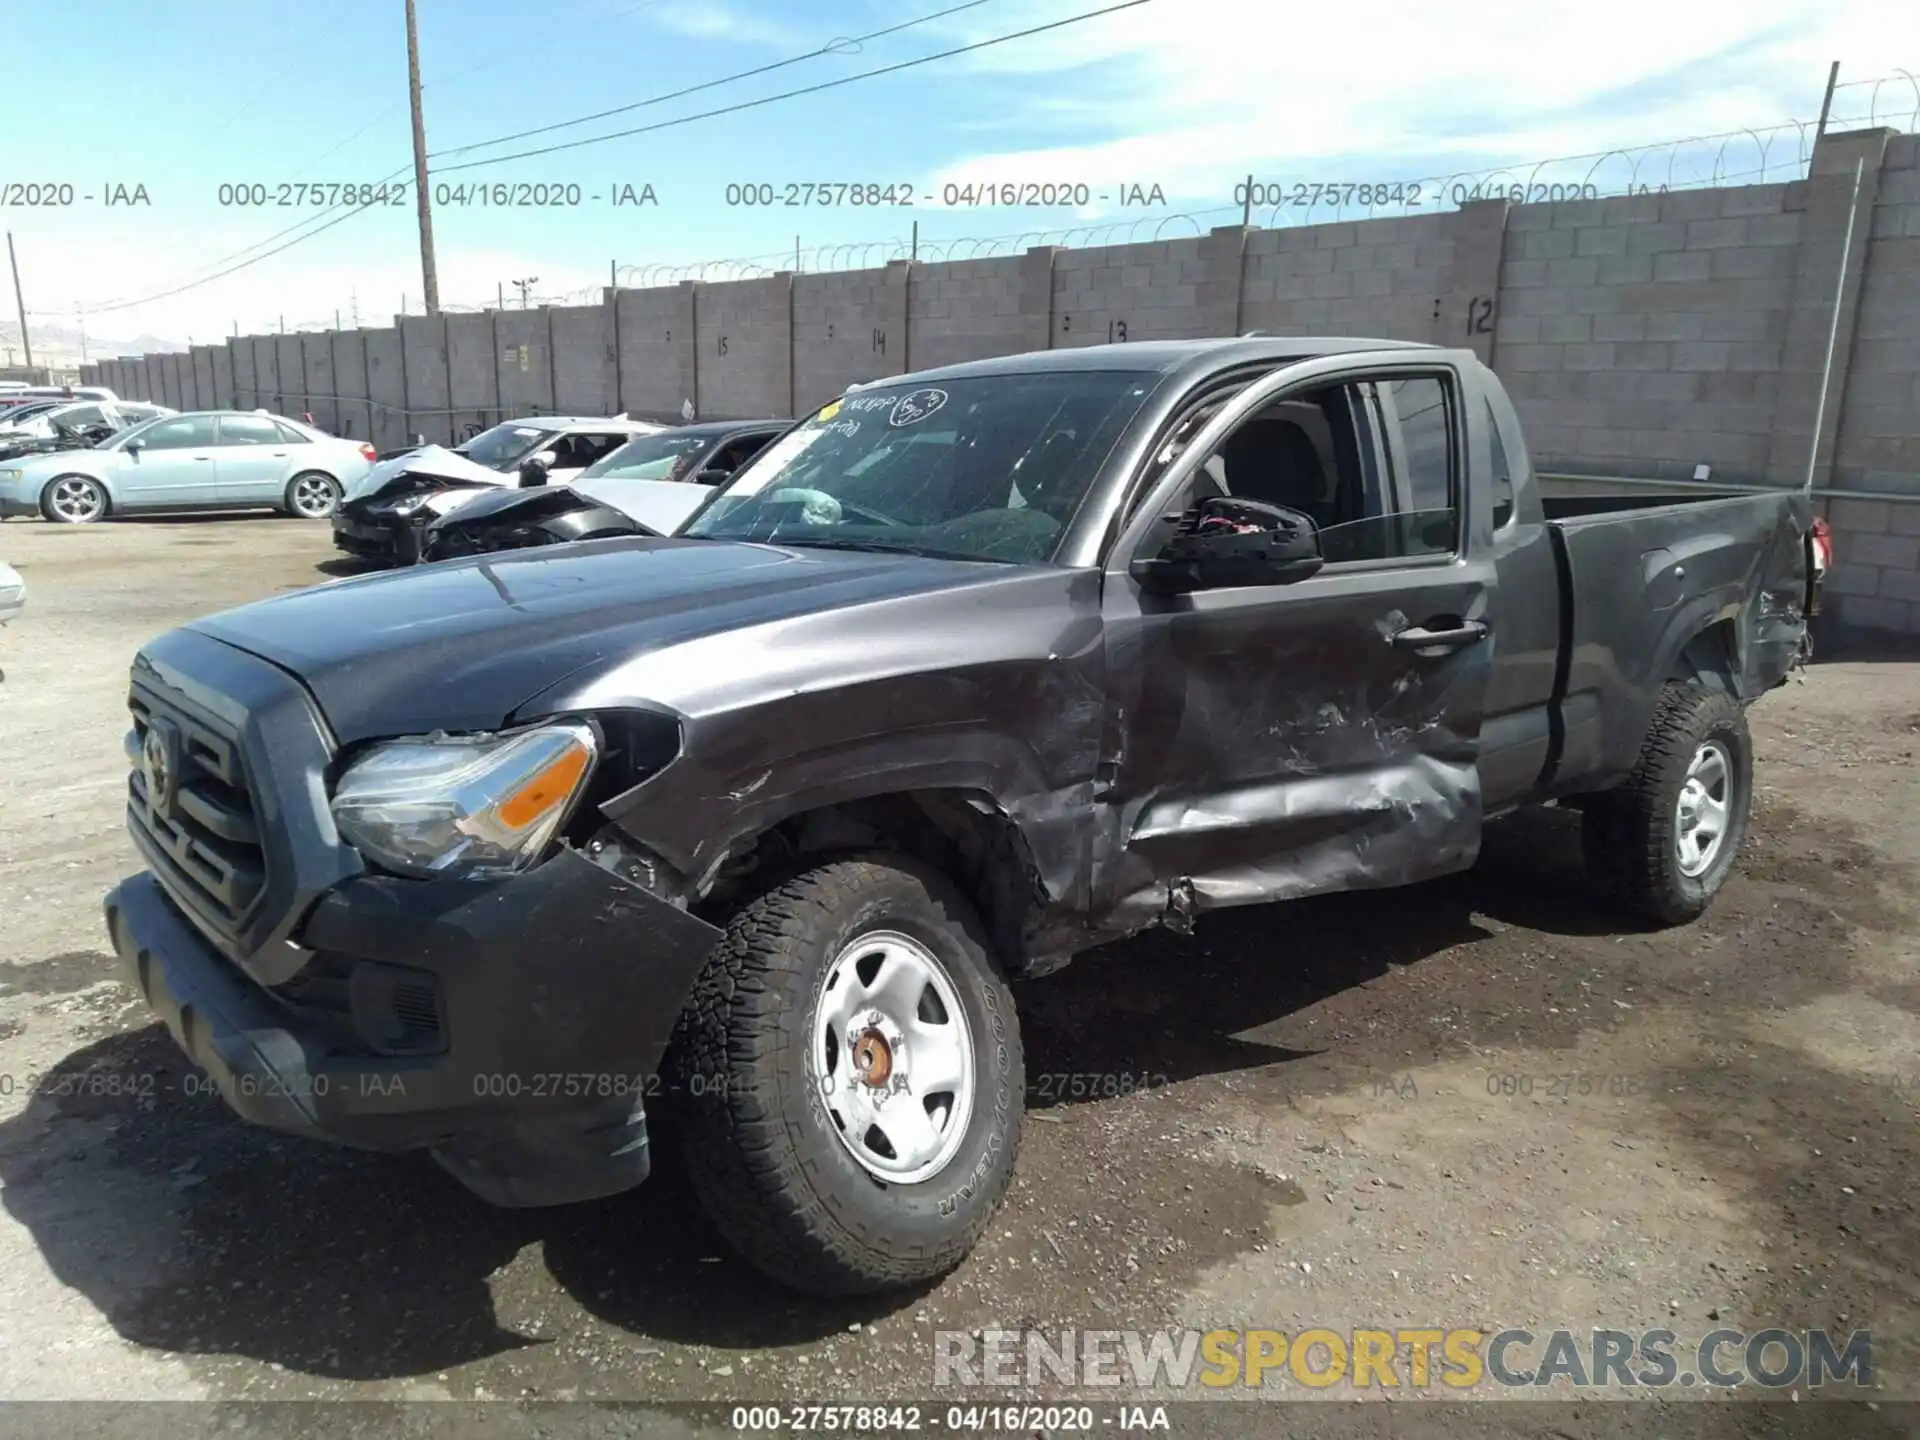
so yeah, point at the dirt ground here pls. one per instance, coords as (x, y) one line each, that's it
(1345, 1113)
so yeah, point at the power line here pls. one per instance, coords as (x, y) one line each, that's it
(792, 94)
(832, 47)
(236, 256)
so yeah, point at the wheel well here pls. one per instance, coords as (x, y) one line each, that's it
(961, 832)
(1708, 659)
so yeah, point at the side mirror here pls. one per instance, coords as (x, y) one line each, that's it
(1223, 544)
(533, 471)
(134, 447)
(713, 476)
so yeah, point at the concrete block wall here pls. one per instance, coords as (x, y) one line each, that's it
(1641, 336)
(583, 360)
(964, 310)
(471, 377)
(653, 337)
(1876, 581)
(848, 327)
(744, 361)
(386, 388)
(1379, 278)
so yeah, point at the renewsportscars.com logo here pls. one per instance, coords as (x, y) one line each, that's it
(1404, 1357)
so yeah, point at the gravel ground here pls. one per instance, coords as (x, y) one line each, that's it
(1344, 1113)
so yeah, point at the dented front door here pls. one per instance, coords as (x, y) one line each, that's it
(1270, 742)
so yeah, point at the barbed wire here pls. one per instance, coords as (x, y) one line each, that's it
(1769, 154)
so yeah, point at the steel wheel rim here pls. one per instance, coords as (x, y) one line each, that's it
(1704, 811)
(892, 1057)
(77, 500)
(313, 497)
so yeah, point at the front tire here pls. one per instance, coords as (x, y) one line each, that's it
(313, 496)
(848, 1078)
(74, 500)
(1664, 842)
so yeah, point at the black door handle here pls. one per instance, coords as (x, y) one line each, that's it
(1457, 637)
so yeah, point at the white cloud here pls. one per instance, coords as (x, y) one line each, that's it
(1195, 94)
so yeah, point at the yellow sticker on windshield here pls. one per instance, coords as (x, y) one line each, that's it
(828, 413)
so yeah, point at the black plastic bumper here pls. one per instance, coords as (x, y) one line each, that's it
(391, 538)
(557, 993)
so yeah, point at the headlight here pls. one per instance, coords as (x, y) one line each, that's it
(11, 474)
(408, 504)
(463, 805)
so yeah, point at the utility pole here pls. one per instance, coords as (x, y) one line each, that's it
(523, 286)
(80, 312)
(429, 278)
(18, 303)
(1826, 102)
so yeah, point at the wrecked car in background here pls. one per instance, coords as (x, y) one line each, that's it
(649, 486)
(748, 828)
(385, 516)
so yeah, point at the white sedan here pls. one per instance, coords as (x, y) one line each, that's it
(201, 460)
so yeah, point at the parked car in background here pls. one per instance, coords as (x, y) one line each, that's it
(203, 459)
(79, 415)
(64, 437)
(649, 486)
(14, 412)
(385, 516)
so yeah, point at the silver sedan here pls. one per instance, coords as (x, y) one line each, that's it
(207, 459)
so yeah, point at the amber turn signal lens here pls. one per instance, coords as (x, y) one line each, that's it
(550, 787)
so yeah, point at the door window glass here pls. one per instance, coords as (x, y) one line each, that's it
(187, 432)
(249, 430)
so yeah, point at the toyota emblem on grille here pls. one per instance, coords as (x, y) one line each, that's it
(160, 762)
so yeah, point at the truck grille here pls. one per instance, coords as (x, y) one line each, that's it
(191, 809)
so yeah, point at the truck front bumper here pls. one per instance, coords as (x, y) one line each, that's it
(537, 1010)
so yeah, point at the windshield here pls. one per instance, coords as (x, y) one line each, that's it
(29, 411)
(505, 446)
(984, 468)
(650, 457)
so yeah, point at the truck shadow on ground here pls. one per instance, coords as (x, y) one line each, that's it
(363, 1267)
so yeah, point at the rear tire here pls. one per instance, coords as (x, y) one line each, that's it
(74, 500)
(759, 1071)
(1663, 843)
(312, 496)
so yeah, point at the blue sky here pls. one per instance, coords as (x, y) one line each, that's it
(1184, 94)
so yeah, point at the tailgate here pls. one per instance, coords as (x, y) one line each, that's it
(1647, 592)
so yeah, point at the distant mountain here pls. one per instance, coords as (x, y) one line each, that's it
(60, 345)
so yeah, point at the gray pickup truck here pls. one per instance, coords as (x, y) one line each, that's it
(746, 829)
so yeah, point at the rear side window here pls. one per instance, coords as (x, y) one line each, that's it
(291, 436)
(249, 430)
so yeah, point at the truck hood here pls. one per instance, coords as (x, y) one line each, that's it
(461, 644)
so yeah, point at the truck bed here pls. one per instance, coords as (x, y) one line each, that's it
(1656, 583)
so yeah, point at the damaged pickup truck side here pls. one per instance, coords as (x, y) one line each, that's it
(741, 833)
